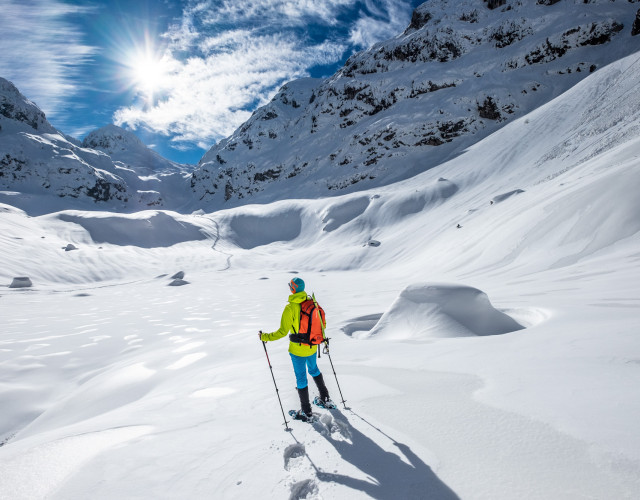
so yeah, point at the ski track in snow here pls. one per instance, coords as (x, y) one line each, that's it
(215, 242)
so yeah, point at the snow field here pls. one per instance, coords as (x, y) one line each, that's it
(114, 384)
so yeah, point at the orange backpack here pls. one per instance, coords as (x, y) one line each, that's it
(312, 321)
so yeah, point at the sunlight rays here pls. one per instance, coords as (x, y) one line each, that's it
(147, 70)
(144, 66)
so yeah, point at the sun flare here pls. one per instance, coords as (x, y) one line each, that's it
(148, 73)
(147, 69)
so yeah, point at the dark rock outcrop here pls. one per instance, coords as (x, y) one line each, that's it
(493, 4)
(14, 106)
(419, 18)
(489, 109)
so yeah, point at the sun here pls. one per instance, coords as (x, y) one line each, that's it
(148, 73)
(147, 69)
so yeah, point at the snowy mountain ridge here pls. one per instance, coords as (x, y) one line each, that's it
(24, 113)
(460, 71)
(42, 167)
(37, 159)
(125, 147)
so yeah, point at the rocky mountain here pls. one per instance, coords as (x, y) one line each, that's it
(37, 159)
(461, 70)
(125, 147)
(112, 168)
(156, 180)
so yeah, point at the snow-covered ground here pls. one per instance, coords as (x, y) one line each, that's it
(497, 360)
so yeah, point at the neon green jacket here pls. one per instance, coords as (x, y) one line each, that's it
(289, 323)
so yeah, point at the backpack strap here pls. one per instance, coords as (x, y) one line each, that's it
(295, 336)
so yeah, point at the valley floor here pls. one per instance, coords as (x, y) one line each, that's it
(147, 391)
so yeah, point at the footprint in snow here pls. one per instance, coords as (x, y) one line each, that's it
(336, 428)
(307, 489)
(291, 453)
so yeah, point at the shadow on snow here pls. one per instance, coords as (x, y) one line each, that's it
(389, 475)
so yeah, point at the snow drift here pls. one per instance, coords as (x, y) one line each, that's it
(145, 229)
(426, 311)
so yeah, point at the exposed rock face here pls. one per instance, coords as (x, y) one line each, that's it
(112, 166)
(458, 72)
(492, 4)
(21, 282)
(14, 106)
(635, 29)
(489, 110)
(36, 158)
(419, 18)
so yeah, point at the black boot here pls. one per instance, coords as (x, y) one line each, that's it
(305, 405)
(324, 393)
(324, 401)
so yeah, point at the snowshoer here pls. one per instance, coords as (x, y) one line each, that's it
(303, 356)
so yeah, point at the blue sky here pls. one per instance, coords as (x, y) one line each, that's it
(181, 74)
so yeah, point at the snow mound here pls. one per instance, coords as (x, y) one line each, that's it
(425, 310)
(144, 229)
(415, 202)
(248, 230)
(342, 212)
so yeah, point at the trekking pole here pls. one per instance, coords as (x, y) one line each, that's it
(336, 376)
(326, 351)
(286, 424)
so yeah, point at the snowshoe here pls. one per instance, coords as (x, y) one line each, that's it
(327, 404)
(300, 415)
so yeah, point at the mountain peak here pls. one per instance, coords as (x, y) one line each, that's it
(112, 139)
(18, 111)
(460, 71)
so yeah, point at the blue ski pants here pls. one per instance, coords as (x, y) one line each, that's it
(300, 367)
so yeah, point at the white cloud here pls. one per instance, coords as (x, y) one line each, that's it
(210, 97)
(390, 18)
(229, 57)
(284, 11)
(42, 51)
(226, 76)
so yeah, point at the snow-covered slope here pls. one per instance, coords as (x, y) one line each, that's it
(158, 182)
(42, 170)
(460, 71)
(515, 374)
(37, 159)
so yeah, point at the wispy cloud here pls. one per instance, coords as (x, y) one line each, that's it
(387, 18)
(284, 11)
(42, 51)
(229, 57)
(207, 98)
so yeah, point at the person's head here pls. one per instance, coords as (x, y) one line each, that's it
(296, 285)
